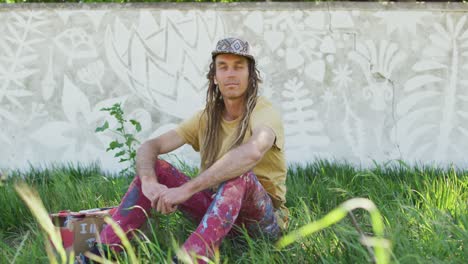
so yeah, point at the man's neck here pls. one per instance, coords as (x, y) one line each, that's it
(234, 108)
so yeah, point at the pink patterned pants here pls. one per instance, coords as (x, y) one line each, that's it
(241, 201)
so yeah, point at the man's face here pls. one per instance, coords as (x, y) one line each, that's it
(232, 75)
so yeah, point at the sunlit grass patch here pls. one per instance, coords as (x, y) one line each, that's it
(423, 209)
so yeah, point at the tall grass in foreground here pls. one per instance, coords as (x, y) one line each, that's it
(424, 211)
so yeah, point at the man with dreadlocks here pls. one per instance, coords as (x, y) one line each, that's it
(242, 180)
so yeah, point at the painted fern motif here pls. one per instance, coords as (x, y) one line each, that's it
(304, 129)
(433, 111)
(352, 124)
(353, 129)
(17, 53)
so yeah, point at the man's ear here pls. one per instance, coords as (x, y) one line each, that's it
(215, 81)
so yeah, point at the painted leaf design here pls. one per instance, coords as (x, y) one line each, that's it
(378, 62)
(440, 42)
(427, 132)
(48, 83)
(463, 114)
(51, 134)
(414, 99)
(353, 129)
(415, 135)
(426, 65)
(7, 115)
(463, 131)
(293, 59)
(316, 70)
(74, 101)
(92, 74)
(459, 27)
(410, 119)
(161, 73)
(464, 35)
(18, 52)
(420, 81)
(304, 133)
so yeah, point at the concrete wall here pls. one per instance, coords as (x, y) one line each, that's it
(354, 81)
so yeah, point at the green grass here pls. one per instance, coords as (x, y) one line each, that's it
(425, 212)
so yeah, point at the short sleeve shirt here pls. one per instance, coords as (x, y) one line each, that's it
(271, 170)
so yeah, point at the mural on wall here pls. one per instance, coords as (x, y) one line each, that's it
(433, 112)
(377, 62)
(357, 85)
(293, 59)
(17, 63)
(164, 62)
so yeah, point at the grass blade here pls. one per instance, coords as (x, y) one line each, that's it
(120, 233)
(34, 203)
(381, 245)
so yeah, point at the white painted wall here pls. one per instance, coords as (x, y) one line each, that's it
(355, 82)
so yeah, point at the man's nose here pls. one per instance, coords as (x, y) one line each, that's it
(231, 72)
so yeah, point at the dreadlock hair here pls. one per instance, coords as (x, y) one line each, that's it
(214, 109)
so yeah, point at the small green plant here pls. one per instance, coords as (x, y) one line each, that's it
(126, 142)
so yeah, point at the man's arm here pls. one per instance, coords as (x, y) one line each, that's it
(233, 164)
(146, 158)
(236, 161)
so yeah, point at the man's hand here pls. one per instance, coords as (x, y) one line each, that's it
(152, 189)
(170, 198)
(146, 157)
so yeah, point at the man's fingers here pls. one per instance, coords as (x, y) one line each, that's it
(163, 203)
(165, 207)
(159, 200)
(168, 207)
(173, 209)
(154, 202)
(159, 207)
(162, 207)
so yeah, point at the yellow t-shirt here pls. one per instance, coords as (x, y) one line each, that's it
(271, 170)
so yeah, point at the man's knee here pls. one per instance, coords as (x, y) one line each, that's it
(249, 177)
(161, 166)
(246, 180)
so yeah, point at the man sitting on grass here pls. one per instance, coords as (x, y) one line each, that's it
(243, 171)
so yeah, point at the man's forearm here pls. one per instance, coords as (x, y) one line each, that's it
(245, 157)
(145, 160)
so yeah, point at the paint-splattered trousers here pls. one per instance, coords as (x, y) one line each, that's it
(241, 201)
